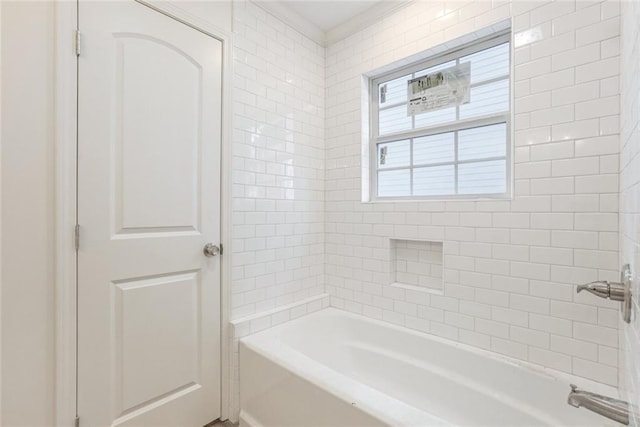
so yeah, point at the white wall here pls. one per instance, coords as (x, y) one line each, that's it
(0, 212)
(510, 267)
(27, 214)
(278, 163)
(215, 12)
(27, 210)
(630, 190)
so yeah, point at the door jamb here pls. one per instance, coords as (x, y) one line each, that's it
(66, 81)
(65, 210)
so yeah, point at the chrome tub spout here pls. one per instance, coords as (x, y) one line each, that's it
(617, 410)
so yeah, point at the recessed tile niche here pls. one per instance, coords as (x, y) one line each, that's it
(417, 264)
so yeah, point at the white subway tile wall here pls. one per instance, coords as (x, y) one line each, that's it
(278, 178)
(278, 163)
(629, 197)
(510, 267)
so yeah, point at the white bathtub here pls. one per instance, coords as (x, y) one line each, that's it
(333, 368)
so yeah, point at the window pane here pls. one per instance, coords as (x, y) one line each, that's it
(434, 68)
(396, 91)
(433, 181)
(436, 117)
(395, 183)
(482, 142)
(397, 154)
(394, 120)
(459, 160)
(488, 64)
(434, 149)
(482, 177)
(487, 99)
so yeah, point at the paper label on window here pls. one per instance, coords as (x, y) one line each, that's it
(440, 89)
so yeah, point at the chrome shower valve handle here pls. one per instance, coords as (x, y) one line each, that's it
(604, 289)
(615, 291)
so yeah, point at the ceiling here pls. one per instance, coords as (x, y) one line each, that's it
(327, 15)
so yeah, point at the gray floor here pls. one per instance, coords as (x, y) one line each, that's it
(221, 424)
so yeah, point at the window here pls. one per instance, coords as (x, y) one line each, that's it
(457, 150)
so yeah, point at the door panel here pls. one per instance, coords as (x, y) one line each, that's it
(171, 318)
(155, 136)
(148, 201)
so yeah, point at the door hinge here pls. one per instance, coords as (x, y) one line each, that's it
(76, 421)
(76, 237)
(78, 40)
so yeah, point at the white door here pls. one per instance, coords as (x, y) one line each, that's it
(148, 201)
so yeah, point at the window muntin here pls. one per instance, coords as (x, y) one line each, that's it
(461, 151)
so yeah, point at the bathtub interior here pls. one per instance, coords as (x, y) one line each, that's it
(448, 380)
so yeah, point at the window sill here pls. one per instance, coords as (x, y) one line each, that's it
(501, 198)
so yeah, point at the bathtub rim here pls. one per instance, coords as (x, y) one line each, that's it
(555, 374)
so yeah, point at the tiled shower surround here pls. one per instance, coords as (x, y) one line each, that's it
(278, 177)
(278, 169)
(510, 266)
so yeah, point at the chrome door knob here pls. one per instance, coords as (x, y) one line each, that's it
(211, 250)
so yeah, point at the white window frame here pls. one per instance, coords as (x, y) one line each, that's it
(457, 125)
